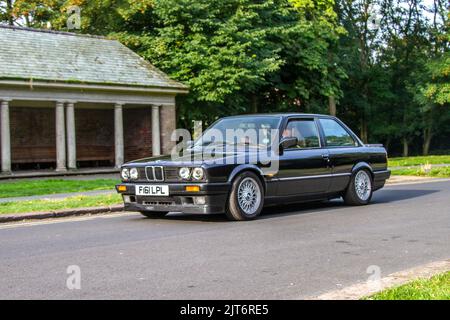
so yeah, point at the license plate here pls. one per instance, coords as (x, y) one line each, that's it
(152, 190)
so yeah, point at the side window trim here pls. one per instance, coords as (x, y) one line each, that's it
(355, 138)
(321, 145)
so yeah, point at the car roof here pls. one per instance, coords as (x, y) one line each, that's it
(283, 115)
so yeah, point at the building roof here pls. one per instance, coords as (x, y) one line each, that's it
(43, 55)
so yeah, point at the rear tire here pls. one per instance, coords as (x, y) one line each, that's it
(246, 199)
(154, 214)
(360, 190)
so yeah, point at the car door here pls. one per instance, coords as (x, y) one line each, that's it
(343, 150)
(304, 168)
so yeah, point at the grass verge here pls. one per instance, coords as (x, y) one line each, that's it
(435, 288)
(416, 161)
(60, 204)
(25, 188)
(438, 172)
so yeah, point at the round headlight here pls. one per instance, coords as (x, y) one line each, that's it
(197, 173)
(125, 174)
(134, 173)
(185, 173)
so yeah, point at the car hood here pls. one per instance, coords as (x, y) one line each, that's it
(195, 157)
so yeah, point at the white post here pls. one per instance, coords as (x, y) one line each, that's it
(60, 137)
(118, 134)
(71, 136)
(5, 136)
(156, 133)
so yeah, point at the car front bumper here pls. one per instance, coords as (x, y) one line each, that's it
(210, 198)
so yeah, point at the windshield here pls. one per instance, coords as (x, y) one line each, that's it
(258, 131)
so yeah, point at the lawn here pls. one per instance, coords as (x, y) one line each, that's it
(416, 161)
(60, 204)
(43, 187)
(435, 288)
(437, 172)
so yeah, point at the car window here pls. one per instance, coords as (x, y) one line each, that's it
(254, 131)
(335, 134)
(305, 131)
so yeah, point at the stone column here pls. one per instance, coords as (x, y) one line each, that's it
(60, 137)
(5, 136)
(71, 136)
(168, 126)
(118, 134)
(156, 132)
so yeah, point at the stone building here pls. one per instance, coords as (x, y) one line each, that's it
(70, 100)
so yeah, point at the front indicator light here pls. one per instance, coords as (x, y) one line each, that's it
(122, 188)
(192, 188)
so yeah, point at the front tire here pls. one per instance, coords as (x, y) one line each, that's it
(246, 199)
(153, 214)
(360, 189)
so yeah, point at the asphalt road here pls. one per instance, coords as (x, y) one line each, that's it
(289, 253)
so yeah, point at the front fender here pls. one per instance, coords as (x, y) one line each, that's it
(247, 167)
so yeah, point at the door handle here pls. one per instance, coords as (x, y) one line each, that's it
(326, 157)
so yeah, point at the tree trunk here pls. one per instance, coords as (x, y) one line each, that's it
(9, 7)
(254, 106)
(405, 147)
(388, 143)
(426, 141)
(364, 133)
(427, 133)
(332, 106)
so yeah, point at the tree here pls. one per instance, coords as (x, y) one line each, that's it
(357, 53)
(243, 56)
(29, 13)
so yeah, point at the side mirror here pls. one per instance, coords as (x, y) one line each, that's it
(287, 143)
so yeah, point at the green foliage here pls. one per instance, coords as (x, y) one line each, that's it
(393, 54)
(437, 89)
(384, 62)
(436, 172)
(241, 56)
(60, 204)
(43, 187)
(417, 161)
(435, 288)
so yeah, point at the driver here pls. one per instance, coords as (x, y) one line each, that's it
(287, 133)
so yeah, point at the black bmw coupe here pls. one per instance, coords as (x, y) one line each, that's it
(242, 163)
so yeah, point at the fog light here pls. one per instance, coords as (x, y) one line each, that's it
(126, 199)
(192, 188)
(199, 200)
